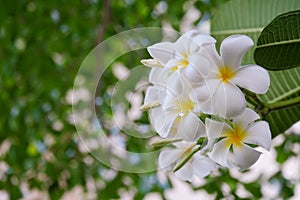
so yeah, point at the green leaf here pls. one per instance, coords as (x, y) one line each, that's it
(279, 43)
(249, 18)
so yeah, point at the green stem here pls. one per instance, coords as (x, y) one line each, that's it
(283, 104)
(252, 98)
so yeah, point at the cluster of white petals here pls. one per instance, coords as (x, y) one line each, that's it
(195, 99)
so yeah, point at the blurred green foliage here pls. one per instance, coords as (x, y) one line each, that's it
(42, 44)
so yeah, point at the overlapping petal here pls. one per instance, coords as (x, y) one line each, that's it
(185, 172)
(215, 129)
(154, 94)
(228, 101)
(198, 68)
(162, 121)
(162, 52)
(202, 166)
(259, 133)
(220, 153)
(191, 127)
(246, 118)
(167, 157)
(245, 156)
(159, 76)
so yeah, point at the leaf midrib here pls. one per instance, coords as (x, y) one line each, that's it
(236, 31)
(284, 42)
(285, 95)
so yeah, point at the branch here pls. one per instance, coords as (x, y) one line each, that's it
(104, 22)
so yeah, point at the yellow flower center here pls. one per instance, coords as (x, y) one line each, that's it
(235, 137)
(183, 63)
(175, 68)
(185, 106)
(225, 74)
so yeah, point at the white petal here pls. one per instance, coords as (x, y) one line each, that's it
(253, 78)
(246, 118)
(154, 93)
(202, 166)
(191, 127)
(228, 100)
(185, 172)
(197, 40)
(203, 40)
(192, 41)
(211, 52)
(197, 69)
(163, 122)
(219, 154)
(170, 103)
(159, 75)
(214, 129)
(174, 62)
(168, 157)
(245, 156)
(207, 90)
(233, 49)
(177, 85)
(259, 133)
(162, 52)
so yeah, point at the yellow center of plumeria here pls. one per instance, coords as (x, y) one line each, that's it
(226, 74)
(181, 64)
(235, 137)
(186, 106)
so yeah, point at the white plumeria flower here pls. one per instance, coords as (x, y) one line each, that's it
(185, 56)
(198, 164)
(245, 131)
(226, 99)
(177, 115)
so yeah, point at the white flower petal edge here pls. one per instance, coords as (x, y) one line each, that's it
(202, 166)
(228, 101)
(159, 76)
(197, 69)
(191, 127)
(220, 152)
(259, 133)
(245, 156)
(162, 122)
(168, 157)
(233, 49)
(214, 129)
(185, 172)
(246, 118)
(154, 94)
(162, 52)
(253, 78)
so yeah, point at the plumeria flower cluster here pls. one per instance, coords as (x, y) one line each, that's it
(195, 103)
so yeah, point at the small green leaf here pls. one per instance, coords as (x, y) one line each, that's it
(279, 43)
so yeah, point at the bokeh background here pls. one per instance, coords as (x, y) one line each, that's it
(42, 45)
